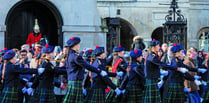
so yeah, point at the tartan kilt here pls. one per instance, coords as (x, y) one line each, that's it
(111, 97)
(151, 92)
(43, 95)
(97, 96)
(9, 95)
(88, 96)
(175, 93)
(206, 95)
(133, 95)
(74, 93)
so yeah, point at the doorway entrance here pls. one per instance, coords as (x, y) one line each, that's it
(21, 19)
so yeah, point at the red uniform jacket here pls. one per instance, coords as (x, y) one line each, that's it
(33, 39)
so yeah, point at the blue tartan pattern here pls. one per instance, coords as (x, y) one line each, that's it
(43, 95)
(74, 92)
(175, 93)
(133, 95)
(151, 92)
(97, 96)
(9, 95)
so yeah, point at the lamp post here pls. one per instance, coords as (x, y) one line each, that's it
(175, 27)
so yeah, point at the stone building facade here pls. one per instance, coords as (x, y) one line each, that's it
(61, 19)
(146, 17)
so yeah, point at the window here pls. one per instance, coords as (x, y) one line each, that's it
(204, 39)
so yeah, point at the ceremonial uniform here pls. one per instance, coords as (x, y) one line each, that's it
(75, 72)
(134, 81)
(176, 79)
(99, 84)
(44, 87)
(33, 38)
(44, 92)
(153, 64)
(10, 77)
(175, 93)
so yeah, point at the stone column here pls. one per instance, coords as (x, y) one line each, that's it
(83, 20)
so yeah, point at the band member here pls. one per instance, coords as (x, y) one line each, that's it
(10, 77)
(44, 92)
(134, 80)
(153, 64)
(119, 63)
(176, 78)
(99, 84)
(75, 71)
(35, 36)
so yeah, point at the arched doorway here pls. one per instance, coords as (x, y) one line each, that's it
(120, 32)
(158, 34)
(20, 22)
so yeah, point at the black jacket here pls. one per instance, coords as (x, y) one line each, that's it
(76, 65)
(135, 77)
(11, 76)
(46, 80)
(153, 65)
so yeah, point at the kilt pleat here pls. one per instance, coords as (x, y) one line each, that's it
(9, 95)
(175, 93)
(133, 95)
(43, 95)
(151, 92)
(97, 96)
(206, 95)
(111, 97)
(74, 92)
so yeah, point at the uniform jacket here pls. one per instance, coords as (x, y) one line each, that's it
(33, 39)
(153, 65)
(99, 81)
(11, 76)
(76, 65)
(46, 79)
(178, 77)
(135, 77)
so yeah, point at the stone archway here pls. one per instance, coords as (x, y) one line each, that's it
(120, 32)
(158, 34)
(20, 22)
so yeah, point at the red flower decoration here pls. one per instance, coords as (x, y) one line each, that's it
(153, 39)
(175, 45)
(135, 51)
(72, 38)
(90, 50)
(97, 46)
(5, 48)
(7, 52)
(119, 46)
(46, 45)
